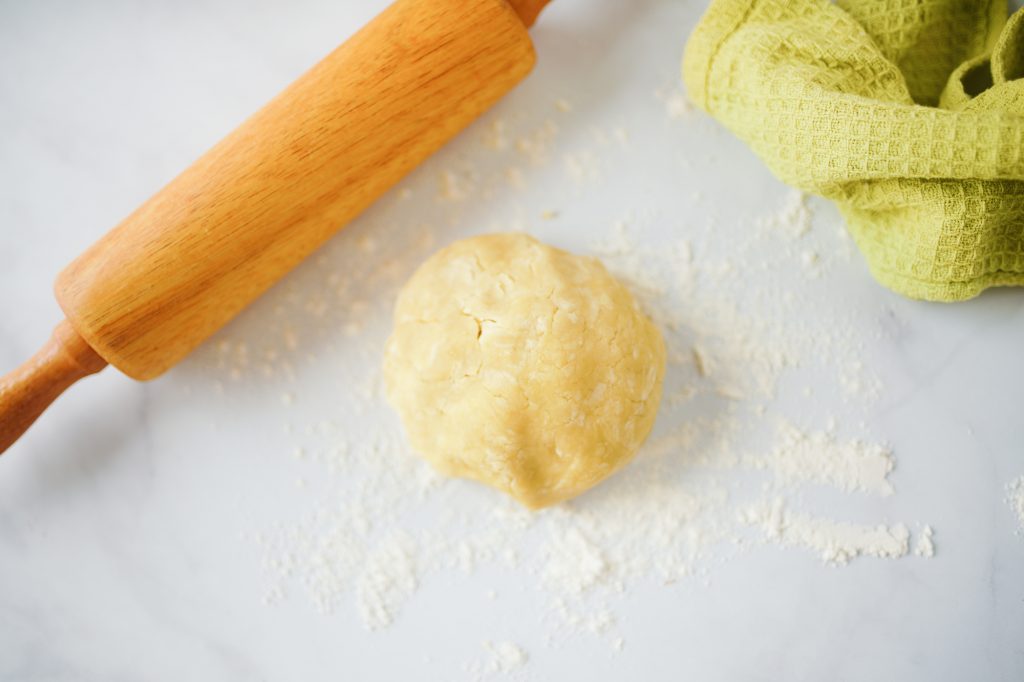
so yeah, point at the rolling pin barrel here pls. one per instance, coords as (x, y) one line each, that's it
(264, 198)
(274, 190)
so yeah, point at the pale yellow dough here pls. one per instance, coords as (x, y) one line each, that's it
(524, 367)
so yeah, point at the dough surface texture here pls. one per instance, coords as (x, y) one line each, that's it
(524, 367)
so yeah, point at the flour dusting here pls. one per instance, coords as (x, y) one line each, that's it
(386, 582)
(852, 466)
(743, 438)
(925, 545)
(1015, 498)
(677, 104)
(835, 542)
(501, 659)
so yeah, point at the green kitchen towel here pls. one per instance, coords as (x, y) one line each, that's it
(909, 114)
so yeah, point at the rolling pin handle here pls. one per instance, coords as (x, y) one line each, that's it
(27, 391)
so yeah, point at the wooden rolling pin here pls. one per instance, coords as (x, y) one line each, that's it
(265, 197)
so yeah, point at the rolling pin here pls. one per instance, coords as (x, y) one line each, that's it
(266, 196)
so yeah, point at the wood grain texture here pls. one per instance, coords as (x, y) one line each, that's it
(27, 391)
(265, 197)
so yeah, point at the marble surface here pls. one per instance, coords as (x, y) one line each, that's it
(126, 513)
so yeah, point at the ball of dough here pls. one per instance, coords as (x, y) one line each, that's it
(524, 367)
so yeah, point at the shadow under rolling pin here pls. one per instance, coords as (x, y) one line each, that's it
(274, 190)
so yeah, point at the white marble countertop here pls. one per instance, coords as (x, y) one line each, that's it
(145, 528)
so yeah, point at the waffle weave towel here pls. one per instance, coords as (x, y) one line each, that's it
(909, 114)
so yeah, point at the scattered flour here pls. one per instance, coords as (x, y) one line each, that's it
(834, 541)
(794, 220)
(505, 656)
(454, 185)
(386, 582)
(1015, 498)
(925, 545)
(574, 564)
(536, 144)
(581, 167)
(677, 104)
(496, 136)
(740, 439)
(501, 659)
(819, 457)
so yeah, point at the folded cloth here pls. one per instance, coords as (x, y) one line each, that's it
(909, 114)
